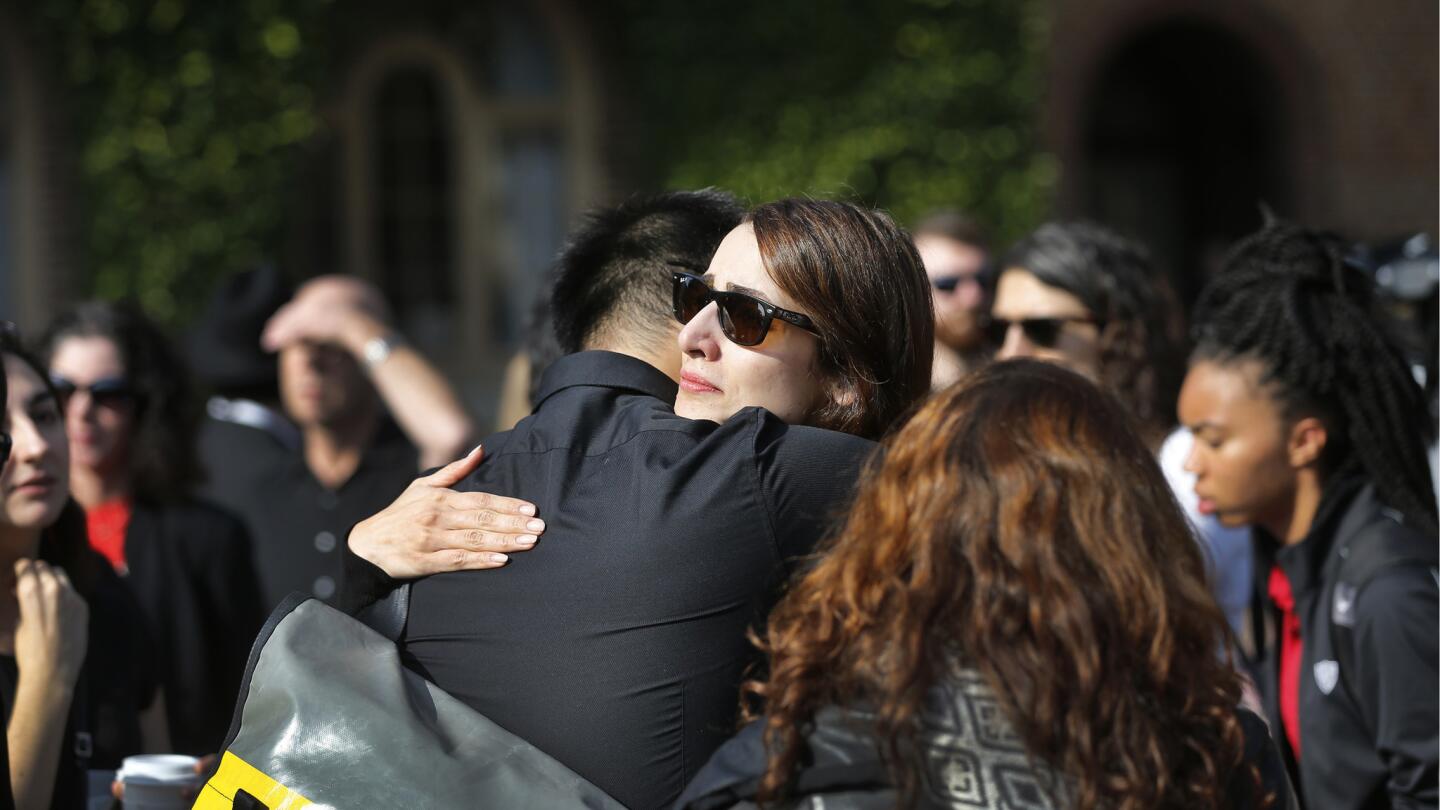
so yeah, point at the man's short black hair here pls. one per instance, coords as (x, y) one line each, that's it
(614, 274)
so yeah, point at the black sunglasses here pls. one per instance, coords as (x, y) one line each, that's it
(947, 284)
(1041, 332)
(5, 443)
(744, 319)
(111, 392)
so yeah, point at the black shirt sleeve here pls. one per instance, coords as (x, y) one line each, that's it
(808, 478)
(362, 583)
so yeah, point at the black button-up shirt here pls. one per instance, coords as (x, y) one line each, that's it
(617, 644)
(298, 525)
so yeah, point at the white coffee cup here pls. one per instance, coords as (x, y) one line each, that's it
(158, 781)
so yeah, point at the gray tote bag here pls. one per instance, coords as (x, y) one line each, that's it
(328, 718)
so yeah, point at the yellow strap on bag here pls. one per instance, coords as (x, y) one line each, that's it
(236, 774)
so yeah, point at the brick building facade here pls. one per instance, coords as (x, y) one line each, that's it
(451, 162)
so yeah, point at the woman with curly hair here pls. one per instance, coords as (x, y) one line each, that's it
(1086, 298)
(1012, 615)
(132, 467)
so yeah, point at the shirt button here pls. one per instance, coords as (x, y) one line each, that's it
(329, 500)
(324, 588)
(324, 542)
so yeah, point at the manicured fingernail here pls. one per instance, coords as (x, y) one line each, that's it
(526, 540)
(536, 525)
(477, 449)
(499, 558)
(527, 509)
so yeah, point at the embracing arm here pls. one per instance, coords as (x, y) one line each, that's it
(431, 529)
(49, 651)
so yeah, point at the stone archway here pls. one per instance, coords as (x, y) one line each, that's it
(1183, 142)
(1130, 85)
(460, 162)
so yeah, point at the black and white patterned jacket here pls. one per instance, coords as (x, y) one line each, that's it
(974, 761)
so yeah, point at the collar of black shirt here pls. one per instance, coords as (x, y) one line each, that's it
(606, 370)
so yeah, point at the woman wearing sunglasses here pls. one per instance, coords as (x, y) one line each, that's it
(1012, 615)
(132, 466)
(1085, 298)
(1088, 299)
(816, 311)
(76, 684)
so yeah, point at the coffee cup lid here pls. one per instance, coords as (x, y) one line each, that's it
(158, 769)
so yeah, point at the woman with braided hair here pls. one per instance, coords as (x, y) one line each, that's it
(1310, 428)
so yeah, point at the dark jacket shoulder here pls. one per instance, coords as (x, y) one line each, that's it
(1367, 599)
(196, 525)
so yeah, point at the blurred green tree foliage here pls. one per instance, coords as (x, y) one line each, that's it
(908, 105)
(187, 114)
(184, 115)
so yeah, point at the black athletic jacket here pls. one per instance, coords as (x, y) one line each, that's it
(1365, 591)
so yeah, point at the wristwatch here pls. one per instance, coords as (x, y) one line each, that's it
(377, 349)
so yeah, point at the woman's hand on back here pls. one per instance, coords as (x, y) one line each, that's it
(53, 629)
(431, 529)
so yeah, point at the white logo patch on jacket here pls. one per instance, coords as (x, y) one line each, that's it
(1327, 674)
(1342, 610)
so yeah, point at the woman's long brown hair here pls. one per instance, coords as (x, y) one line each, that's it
(859, 278)
(1019, 526)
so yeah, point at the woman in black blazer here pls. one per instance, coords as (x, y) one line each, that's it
(132, 467)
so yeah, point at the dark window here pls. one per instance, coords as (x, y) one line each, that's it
(1183, 145)
(414, 203)
(523, 63)
(533, 178)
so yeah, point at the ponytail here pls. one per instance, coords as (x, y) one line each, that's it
(1287, 299)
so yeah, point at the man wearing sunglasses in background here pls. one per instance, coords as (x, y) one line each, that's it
(956, 254)
(617, 644)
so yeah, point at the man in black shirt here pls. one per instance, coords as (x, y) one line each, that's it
(617, 644)
(362, 412)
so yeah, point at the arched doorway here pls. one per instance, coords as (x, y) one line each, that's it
(415, 210)
(1183, 140)
(454, 163)
(8, 292)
